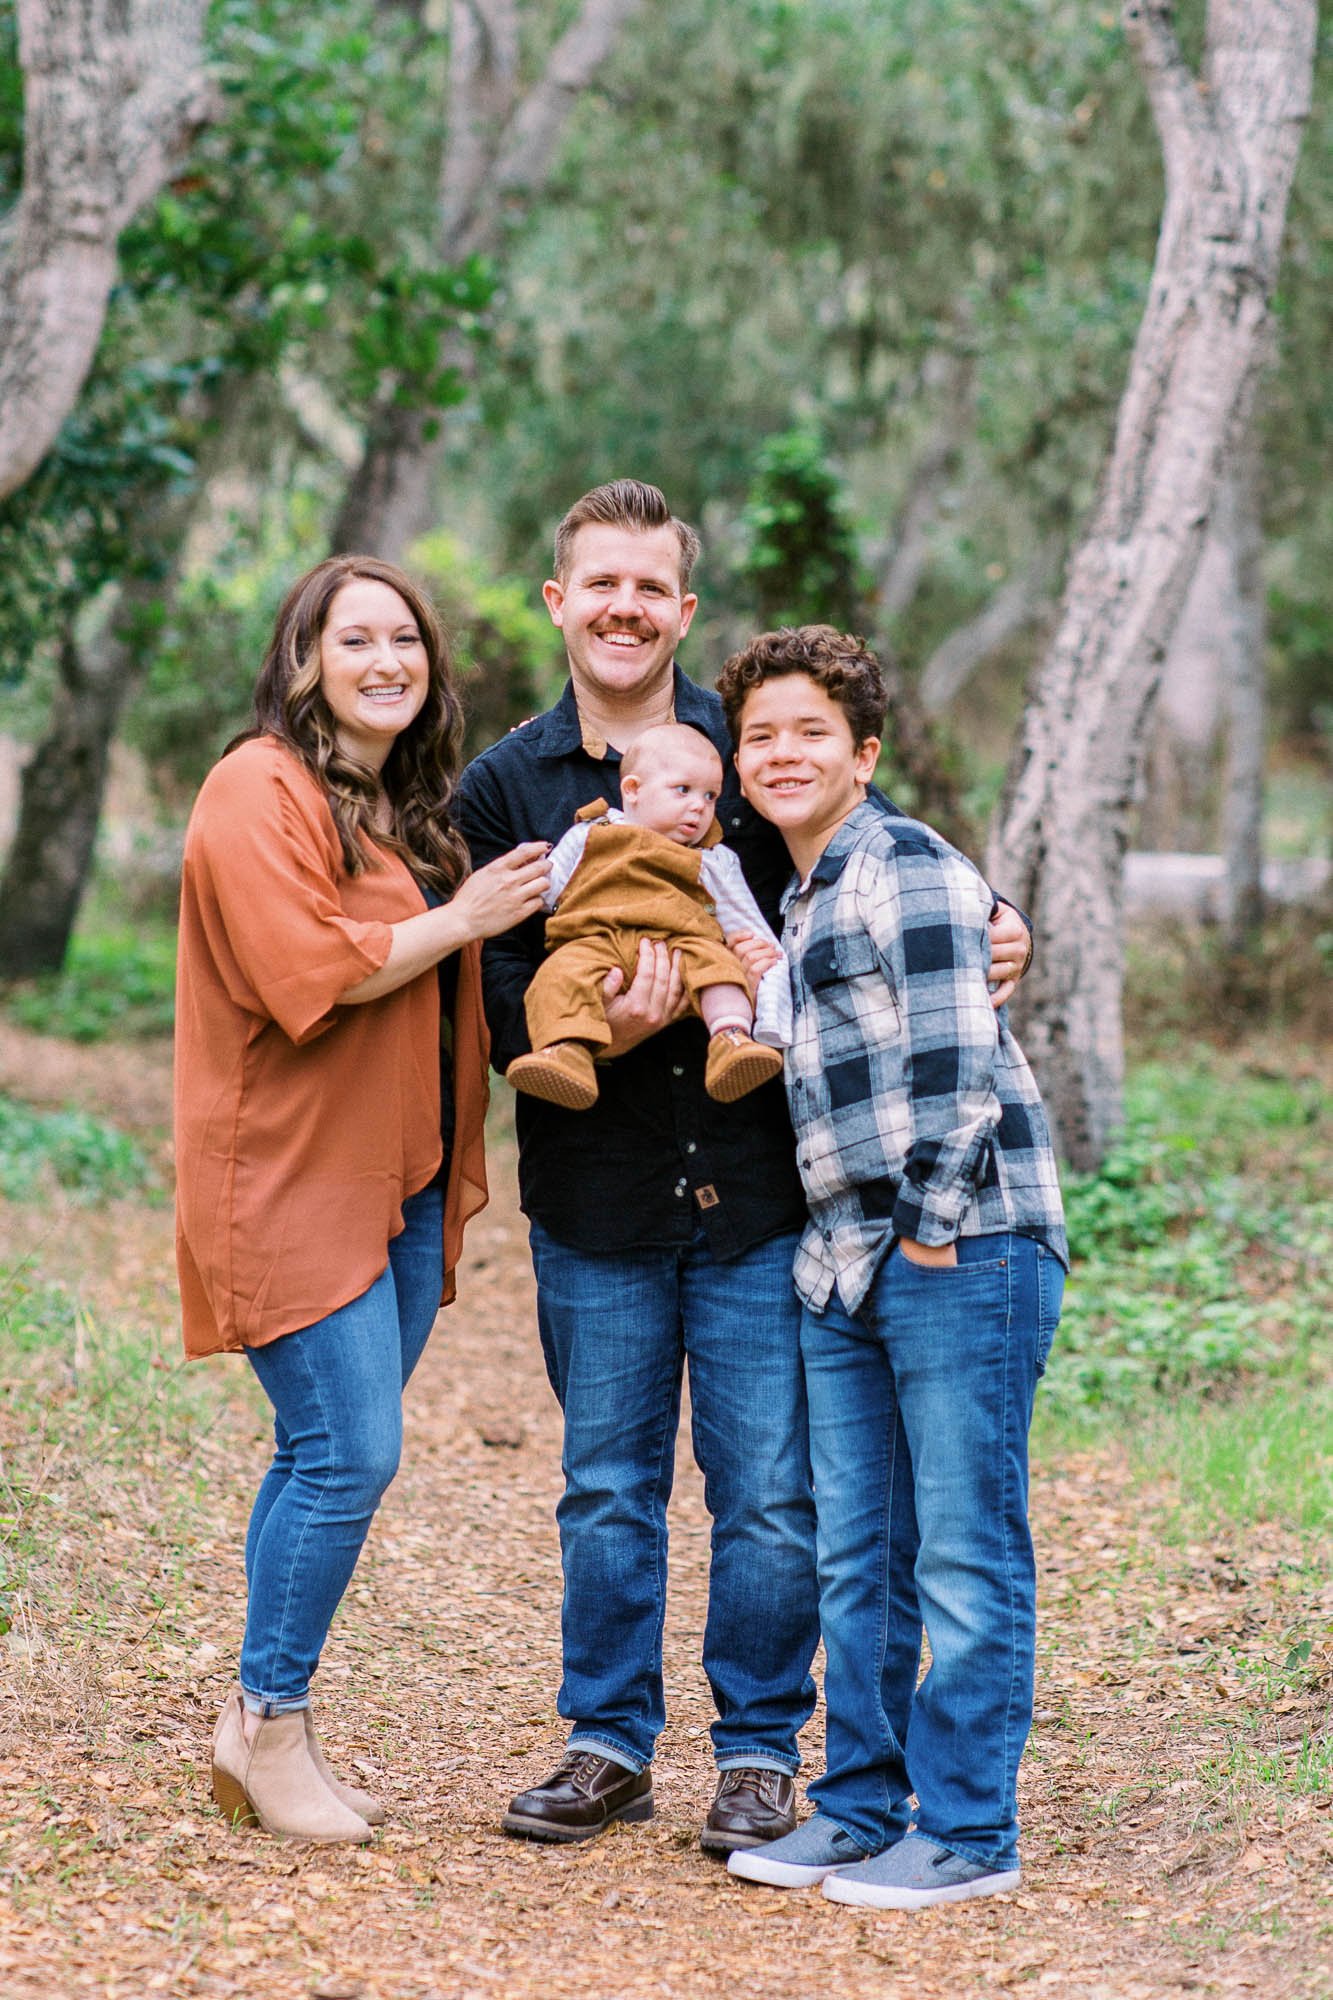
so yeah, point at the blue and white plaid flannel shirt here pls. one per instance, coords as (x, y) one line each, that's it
(915, 1111)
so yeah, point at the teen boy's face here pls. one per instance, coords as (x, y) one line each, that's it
(621, 609)
(798, 765)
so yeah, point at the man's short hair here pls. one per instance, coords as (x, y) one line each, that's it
(844, 667)
(625, 503)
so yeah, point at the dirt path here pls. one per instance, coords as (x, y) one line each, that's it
(1150, 1868)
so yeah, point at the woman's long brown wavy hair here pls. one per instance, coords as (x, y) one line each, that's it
(421, 771)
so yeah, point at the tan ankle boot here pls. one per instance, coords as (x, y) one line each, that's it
(370, 1809)
(272, 1779)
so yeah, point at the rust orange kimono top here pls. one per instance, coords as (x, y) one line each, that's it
(301, 1126)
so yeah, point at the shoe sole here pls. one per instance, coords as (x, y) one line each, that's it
(742, 1077)
(554, 1086)
(723, 1844)
(780, 1874)
(874, 1896)
(526, 1826)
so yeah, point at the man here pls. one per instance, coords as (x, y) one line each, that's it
(663, 1229)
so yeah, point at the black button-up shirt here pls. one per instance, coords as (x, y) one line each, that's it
(655, 1157)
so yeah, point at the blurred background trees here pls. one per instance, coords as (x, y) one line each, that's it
(858, 286)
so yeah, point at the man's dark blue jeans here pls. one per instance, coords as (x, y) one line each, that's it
(617, 1329)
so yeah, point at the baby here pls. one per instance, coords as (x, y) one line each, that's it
(655, 869)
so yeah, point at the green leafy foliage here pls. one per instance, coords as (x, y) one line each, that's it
(506, 651)
(800, 557)
(116, 981)
(89, 1160)
(288, 244)
(1192, 1271)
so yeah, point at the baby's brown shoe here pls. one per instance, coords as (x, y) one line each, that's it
(563, 1074)
(737, 1064)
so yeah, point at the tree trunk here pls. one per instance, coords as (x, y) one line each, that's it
(114, 91)
(500, 152)
(1243, 798)
(1230, 139)
(60, 801)
(1179, 810)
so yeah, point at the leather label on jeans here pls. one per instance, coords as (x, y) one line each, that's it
(706, 1196)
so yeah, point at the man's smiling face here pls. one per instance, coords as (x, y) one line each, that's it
(621, 609)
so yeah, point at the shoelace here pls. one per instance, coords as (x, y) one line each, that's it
(764, 1783)
(584, 1764)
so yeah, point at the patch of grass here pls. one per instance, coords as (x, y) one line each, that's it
(119, 980)
(89, 1160)
(1201, 1246)
(106, 1433)
(1252, 1457)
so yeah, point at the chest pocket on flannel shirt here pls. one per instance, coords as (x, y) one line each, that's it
(853, 994)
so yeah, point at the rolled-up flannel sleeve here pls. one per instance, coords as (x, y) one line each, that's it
(930, 934)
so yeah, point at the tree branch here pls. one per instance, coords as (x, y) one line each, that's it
(528, 145)
(114, 92)
(1018, 604)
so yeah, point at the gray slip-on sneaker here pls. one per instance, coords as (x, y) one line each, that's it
(817, 1849)
(915, 1872)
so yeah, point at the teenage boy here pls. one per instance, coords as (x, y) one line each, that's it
(930, 1275)
(663, 1226)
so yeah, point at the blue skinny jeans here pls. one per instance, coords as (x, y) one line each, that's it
(337, 1393)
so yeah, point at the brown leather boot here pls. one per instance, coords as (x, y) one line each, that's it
(750, 1808)
(738, 1064)
(562, 1074)
(357, 1801)
(579, 1799)
(271, 1779)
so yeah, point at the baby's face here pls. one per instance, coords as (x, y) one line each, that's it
(675, 792)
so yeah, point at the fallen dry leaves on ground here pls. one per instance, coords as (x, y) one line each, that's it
(1146, 1872)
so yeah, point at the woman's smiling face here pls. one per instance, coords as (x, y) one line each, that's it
(374, 671)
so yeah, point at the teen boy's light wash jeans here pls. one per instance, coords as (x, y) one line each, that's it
(337, 1392)
(919, 1411)
(616, 1329)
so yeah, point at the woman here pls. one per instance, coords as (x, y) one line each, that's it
(322, 1193)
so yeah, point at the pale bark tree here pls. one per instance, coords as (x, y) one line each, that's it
(1243, 779)
(114, 91)
(501, 147)
(1230, 136)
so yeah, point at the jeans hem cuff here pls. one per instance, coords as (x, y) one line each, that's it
(271, 1705)
(757, 1760)
(603, 1747)
(995, 1864)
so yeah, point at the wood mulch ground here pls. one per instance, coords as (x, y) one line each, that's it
(1151, 1868)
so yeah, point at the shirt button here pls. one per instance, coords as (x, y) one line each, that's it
(737, 820)
(680, 1190)
(828, 1235)
(691, 1148)
(677, 1070)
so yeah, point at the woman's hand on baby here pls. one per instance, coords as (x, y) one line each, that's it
(505, 891)
(757, 956)
(654, 998)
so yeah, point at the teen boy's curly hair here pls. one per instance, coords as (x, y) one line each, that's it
(844, 667)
